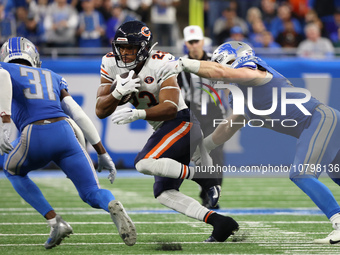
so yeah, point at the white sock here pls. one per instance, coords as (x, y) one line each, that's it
(183, 204)
(165, 167)
(52, 222)
(335, 219)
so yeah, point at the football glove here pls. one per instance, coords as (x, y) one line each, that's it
(127, 115)
(170, 68)
(175, 67)
(126, 85)
(5, 145)
(105, 162)
(201, 155)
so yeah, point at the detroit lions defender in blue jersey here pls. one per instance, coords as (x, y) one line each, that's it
(38, 102)
(315, 125)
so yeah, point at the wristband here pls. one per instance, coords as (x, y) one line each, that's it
(141, 114)
(209, 143)
(191, 65)
(116, 94)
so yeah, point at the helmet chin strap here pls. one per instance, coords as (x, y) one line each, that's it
(153, 46)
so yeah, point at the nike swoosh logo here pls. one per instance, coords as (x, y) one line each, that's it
(124, 83)
(333, 242)
(216, 195)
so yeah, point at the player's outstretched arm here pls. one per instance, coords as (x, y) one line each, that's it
(72, 109)
(225, 130)
(211, 70)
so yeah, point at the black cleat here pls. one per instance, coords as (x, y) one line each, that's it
(211, 239)
(224, 227)
(205, 201)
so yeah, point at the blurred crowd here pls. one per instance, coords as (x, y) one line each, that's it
(310, 26)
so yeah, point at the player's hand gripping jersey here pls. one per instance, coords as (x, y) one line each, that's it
(148, 93)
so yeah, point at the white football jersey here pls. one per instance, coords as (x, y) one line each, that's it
(148, 92)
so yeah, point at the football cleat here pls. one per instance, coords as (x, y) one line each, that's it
(205, 201)
(213, 195)
(224, 227)
(124, 224)
(332, 238)
(58, 232)
(211, 239)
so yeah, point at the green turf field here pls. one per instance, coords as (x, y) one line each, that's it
(24, 231)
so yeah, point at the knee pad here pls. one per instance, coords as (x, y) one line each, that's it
(165, 167)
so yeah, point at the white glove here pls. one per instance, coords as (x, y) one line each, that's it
(201, 155)
(196, 157)
(170, 68)
(105, 162)
(127, 115)
(126, 85)
(175, 67)
(5, 145)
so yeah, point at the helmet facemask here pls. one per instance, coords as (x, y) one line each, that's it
(139, 53)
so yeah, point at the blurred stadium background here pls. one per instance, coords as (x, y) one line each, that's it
(274, 215)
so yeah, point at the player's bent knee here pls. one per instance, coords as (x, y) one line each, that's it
(144, 166)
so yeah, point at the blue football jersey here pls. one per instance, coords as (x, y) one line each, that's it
(262, 99)
(36, 94)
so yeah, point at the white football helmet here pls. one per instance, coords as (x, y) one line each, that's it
(228, 52)
(20, 48)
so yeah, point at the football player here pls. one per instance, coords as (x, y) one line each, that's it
(166, 154)
(38, 102)
(318, 133)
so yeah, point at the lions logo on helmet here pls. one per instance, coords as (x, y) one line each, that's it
(228, 52)
(134, 33)
(20, 48)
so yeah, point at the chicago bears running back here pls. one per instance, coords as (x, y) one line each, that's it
(166, 154)
(317, 128)
(38, 102)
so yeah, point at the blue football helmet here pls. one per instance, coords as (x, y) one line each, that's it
(20, 48)
(228, 52)
(133, 33)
